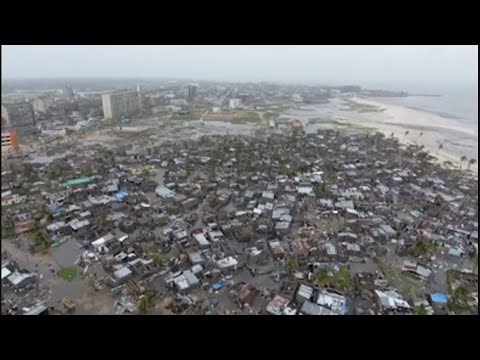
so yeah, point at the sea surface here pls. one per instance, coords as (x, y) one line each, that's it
(454, 102)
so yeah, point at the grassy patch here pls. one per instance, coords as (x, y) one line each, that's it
(404, 283)
(68, 273)
(245, 117)
(363, 108)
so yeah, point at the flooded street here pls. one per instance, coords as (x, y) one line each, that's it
(53, 287)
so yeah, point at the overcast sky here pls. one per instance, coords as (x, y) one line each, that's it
(362, 64)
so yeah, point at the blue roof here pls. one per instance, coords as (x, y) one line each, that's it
(439, 298)
(217, 286)
(121, 195)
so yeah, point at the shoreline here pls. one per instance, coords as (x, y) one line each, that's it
(457, 138)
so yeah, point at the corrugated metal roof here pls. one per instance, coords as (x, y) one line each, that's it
(440, 298)
(79, 181)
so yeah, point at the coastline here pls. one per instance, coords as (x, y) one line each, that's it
(457, 138)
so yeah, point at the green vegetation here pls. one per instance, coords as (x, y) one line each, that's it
(363, 108)
(475, 262)
(460, 302)
(424, 248)
(339, 124)
(420, 310)
(40, 239)
(143, 303)
(343, 279)
(160, 259)
(324, 278)
(405, 284)
(68, 273)
(321, 191)
(8, 227)
(245, 117)
(292, 266)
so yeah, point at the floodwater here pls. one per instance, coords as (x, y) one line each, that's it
(44, 159)
(87, 301)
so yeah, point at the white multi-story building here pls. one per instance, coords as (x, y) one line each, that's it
(120, 104)
(234, 103)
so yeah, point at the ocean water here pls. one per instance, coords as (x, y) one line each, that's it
(460, 103)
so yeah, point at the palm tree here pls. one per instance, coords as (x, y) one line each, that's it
(160, 259)
(447, 163)
(146, 173)
(420, 248)
(475, 262)
(418, 138)
(8, 227)
(462, 159)
(343, 279)
(323, 278)
(440, 147)
(405, 135)
(41, 239)
(421, 310)
(292, 266)
(460, 299)
(470, 163)
(143, 303)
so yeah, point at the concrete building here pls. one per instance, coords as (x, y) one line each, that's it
(120, 104)
(41, 104)
(19, 116)
(192, 91)
(234, 103)
(68, 92)
(9, 141)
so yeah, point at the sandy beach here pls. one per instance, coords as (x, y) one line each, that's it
(430, 130)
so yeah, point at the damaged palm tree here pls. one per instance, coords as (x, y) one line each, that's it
(324, 278)
(143, 304)
(343, 280)
(246, 234)
(40, 239)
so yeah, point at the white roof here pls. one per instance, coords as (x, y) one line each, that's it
(227, 262)
(353, 247)
(305, 189)
(334, 302)
(123, 272)
(5, 272)
(331, 250)
(289, 311)
(16, 277)
(201, 239)
(164, 192)
(55, 226)
(305, 291)
(77, 224)
(99, 242)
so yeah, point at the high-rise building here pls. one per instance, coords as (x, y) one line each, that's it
(19, 116)
(41, 104)
(139, 94)
(120, 104)
(234, 103)
(192, 91)
(68, 92)
(9, 140)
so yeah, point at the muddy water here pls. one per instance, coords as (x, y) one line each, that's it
(87, 301)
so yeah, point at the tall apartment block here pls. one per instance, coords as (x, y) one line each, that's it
(68, 92)
(9, 141)
(192, 91)
(120, 104)
(20, 116)
(41, 104)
